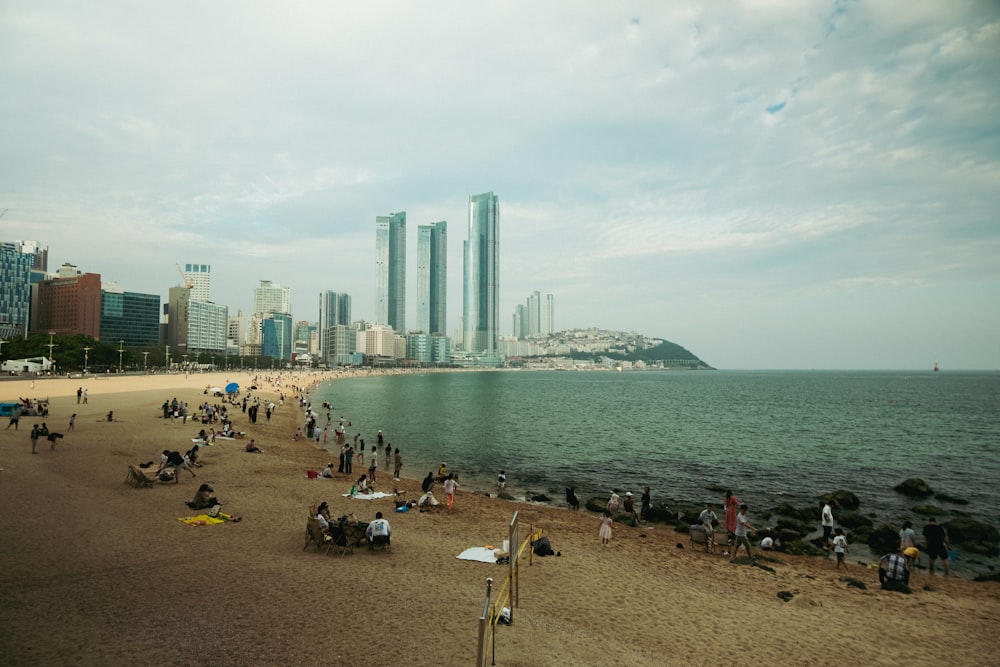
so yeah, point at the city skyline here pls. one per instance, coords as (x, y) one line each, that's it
(771, 185)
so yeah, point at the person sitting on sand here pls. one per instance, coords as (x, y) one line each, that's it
(427, 501)
(362, 485)
(328, 470)
(614, 504)
(708, 519)
(443, 471)
(204, 499)
(253, 448)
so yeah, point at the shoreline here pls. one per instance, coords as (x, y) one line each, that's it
(106, 573)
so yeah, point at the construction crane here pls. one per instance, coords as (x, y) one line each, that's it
(187, 283)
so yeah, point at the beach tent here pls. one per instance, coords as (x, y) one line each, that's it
(232, 388)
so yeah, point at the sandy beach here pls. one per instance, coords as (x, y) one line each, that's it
(95, 571)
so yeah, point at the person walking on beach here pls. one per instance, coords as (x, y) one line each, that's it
(826, 519)
(85, 395)
(605, 532)
(35, 434)
(397, 465)
(937, 545)
(72, 422)
(450, 486)
(731, 503)
(373, 466)
(840, 548)
(15, 417)
(79, 393)
(743, 529)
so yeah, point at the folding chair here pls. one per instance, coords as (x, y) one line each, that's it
(138, 479)
(316, 536)
(720, 540)
(699, 536)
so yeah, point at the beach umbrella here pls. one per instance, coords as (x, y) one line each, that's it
(232, 388)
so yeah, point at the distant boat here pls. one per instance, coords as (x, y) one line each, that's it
(936, 369)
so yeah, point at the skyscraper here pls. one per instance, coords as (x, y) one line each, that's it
(390, 270)
(334, 309)
(272, 308)
(481, 279)
(199, 277)
(432, 274)
(548, 324)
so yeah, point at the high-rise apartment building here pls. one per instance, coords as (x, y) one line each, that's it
(548, 323)
(481, 279)
(199, 278)
(334, 309)
(535, 317)
(195, 326)
(270, 297)
(432, 277)
(390, 270)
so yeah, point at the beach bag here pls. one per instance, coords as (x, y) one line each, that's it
(504, 616)
(214, 512)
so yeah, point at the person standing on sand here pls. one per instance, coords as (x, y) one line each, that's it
(79, 393)
(840, 548)
(743, 529)
(731, 503)
(15, 417)
(72, 422)
(361, 452)
(605, 532)
(646, 504)
(373, 466)
(85, 395)
(397, 464)
(907, 536)
(937, 545)
(35, 433)
(826, 519)
(501, 481)
(450, 486)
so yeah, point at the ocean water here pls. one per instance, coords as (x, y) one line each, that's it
(779, 436)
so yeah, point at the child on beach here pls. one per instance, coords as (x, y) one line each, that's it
(840, 547)
(501, 481)
(605, 532)
(450, 485)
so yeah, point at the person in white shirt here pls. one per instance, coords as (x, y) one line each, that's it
(378, 528)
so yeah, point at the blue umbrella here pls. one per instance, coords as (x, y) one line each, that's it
(232, 388)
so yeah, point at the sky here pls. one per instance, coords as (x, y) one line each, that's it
(772, 184)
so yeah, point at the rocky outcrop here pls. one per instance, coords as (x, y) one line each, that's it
(842, 499)
(914, 487)
(945, 498)
(964, 529)
(929, 510)
(884, 539)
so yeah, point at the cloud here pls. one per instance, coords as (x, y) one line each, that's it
(709, 152)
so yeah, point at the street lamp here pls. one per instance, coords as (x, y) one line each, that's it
(121, 351)
(86, 358)
(50, 346)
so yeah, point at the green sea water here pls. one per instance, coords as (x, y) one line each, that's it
(770, 436)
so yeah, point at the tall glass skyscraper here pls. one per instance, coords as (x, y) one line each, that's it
(432, 275)
(390, 270)
(481, 280)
